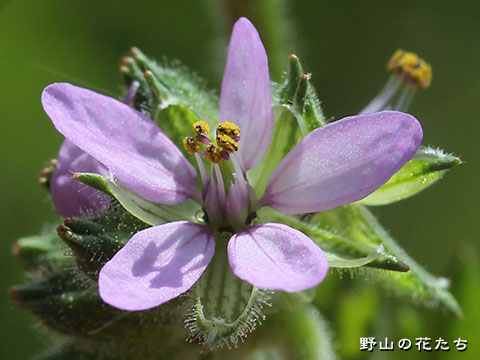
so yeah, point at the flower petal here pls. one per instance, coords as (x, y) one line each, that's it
(129, 144)
(343, 162)
(70, 197)
(156, 265)
(245, 98)
(276, 257)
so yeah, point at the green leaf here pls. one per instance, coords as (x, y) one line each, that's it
(356, 223)
(427, 166)
(147, 211)
(226, 308)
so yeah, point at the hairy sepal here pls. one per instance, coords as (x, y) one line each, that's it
(226, 309)
(427, 167)
(356, 223)
(147, 211)
(341, 251)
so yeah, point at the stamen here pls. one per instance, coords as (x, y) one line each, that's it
(220, 184)
(203, 173)
(201, 127)
(191, 144)
(409, 72)
(227, 143)
(227, 137)
(238, 172)
(405, 98)
(213, 153)
(414, 69)
(228, 128)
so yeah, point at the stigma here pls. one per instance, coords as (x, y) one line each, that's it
(227, 136)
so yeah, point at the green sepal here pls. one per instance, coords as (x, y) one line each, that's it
(302, 333)
(88, 349)
(427, 166)
(147, 211)
(298, 94)
(165, 85)
(226, 308)
(342, 251)
(36, 295)
(307, 106)
(356, 223)
(40, 252)
(95, 181)
(70, 304)
(285, 136)
(282, 300)
(95, 241)
(46, 174)
(295, 73)
(143, 100)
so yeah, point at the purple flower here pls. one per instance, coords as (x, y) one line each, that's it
(333, 165)
(70, 197)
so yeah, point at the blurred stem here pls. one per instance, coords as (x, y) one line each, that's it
(270, 19)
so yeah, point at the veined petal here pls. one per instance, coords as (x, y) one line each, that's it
(128, 143)
(343, 162)
(276, 257)
(245, 98)
(70, 197)
(156, 265)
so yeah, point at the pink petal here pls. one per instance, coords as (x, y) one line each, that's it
(343, 162)
(70, 197)
(156, 265)
(276, 257)
(245, 98)
(128, 143)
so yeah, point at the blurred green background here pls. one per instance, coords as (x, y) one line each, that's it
(344, 44)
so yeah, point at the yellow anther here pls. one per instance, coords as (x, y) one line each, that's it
(414, 69)
(192, 145)
(213, 153)
(226, 143)
(201, 127)
(228, 128)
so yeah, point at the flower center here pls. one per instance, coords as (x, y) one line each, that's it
(227, 137)
(229, 201)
